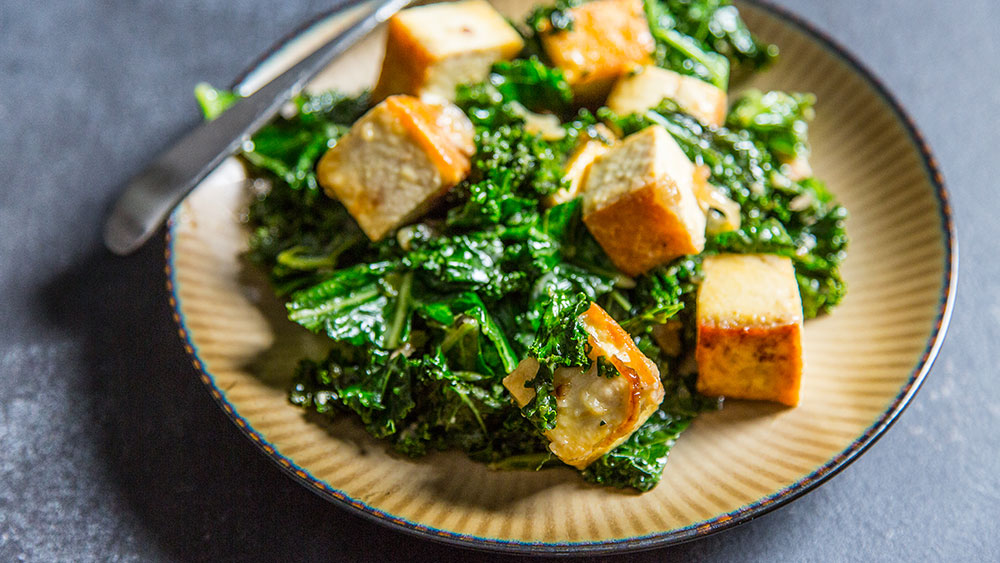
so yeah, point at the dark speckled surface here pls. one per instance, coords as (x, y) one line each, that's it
(110, 449)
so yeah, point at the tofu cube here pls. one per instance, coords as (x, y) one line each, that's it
(396, 161)
(576, 167)
(749, 317)
(639, 203)
(607, 38)
(596, 413)
(643, 88)
(432, 49)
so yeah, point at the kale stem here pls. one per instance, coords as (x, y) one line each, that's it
(472, 407)
(467, 325)
(402, 306)
(533, 461)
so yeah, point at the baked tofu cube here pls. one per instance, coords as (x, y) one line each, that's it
(396, 161)
(576, 167)
(594, 412)
(639, 203)
(607, 38)
(749, 328)
(643, 88)
(432, 49)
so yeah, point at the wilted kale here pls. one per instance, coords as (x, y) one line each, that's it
(683, 53)
(778, 119)
(561, 342)
(690, 32)
(426, 324)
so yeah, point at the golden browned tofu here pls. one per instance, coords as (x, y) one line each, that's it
(432, 49)
(396, 161)
(578, 164)
(607, 38)
(749, 328)
(596, 413)
(639, 203)
(643, 88)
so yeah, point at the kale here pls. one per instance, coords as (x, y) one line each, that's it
(715, 26)
(212, 100)
(680, 52)
(536, 86)
(778, 119)
(639, 461)
(424, 325)
(561, 341)
(705, 38)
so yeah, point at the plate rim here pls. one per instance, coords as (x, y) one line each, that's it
(676, 536)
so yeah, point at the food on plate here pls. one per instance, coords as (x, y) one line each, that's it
(639, 202)
(600, 405)
(749, 317)
(536, 274)
(396, 161)
(780, 119)
(599, 41)
(578, 164)
(643, 88)
(432, 49)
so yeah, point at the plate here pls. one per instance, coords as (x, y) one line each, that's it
(864, 362)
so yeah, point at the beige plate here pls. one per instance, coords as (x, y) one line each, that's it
(864, 362)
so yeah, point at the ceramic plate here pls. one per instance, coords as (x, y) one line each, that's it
(864, 362)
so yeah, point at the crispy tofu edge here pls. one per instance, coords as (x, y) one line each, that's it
(769, 361)
(591, 85)
(623, 228)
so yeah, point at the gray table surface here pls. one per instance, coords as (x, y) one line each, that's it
(110, 449)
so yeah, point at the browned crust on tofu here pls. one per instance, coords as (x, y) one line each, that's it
(424, 125)
(405, 64)
(607, 38)
(718, 115)
(640, 231)
(763, 363)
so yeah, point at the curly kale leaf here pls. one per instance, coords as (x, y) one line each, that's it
(682, 53)
(561, 341)
(375, 384)
(363, 304)
(537, 87)
(639, 461)
(778, 119)
(716, 25)
(421, 401)
(658, 296)
(511, 170)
